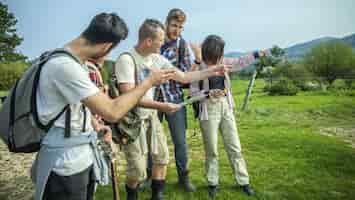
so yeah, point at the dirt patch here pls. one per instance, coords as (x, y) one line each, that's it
(347, 133)
(15, 182)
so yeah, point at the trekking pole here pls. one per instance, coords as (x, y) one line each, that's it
(114, 179)
(113, 156)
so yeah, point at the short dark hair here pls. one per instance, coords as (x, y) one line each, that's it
(212, 49)
(176, 14)
(106, 27)
(149, 29)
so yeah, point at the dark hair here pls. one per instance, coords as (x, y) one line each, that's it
(176, 14)
(212, 49)
(106, 27)
(149, 29)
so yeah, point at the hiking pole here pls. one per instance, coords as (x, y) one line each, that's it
(114, 176)
(195, 98)
(113, 156)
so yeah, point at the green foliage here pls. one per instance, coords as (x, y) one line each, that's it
(277, 52)
(8, 37)
(106, 70)
(296, 72)
(105, 74)
(10, 72)
(350, 76)
(329, 61)
(283, 87)
(276, 57)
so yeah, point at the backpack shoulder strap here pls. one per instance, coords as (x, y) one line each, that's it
(135, 66)
(181, 51)
(44, 58)
(62, 51)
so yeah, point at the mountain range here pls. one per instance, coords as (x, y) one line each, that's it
(297, 51)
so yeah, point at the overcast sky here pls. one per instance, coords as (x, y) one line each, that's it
(245, 25)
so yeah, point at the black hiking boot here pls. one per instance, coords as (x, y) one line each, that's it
(158, 187)
(132, 193)
(185, 183)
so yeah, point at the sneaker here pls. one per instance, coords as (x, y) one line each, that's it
(248, 190)
(212, 191)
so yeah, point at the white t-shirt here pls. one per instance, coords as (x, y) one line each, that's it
(64, 81)
(125, 70)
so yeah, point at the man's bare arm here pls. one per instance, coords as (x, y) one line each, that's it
(191, 76)
(114, 109)
(149, 103)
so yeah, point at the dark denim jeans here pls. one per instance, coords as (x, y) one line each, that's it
(80, 186)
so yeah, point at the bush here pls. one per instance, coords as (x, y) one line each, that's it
(338, 85)
(105, 74)
(10, 72)
(349, 83)
(297, 73)
(267, 88)
(283, 87)
(307, 85)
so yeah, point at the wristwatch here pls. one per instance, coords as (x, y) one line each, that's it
(256, 54)
(197, 62)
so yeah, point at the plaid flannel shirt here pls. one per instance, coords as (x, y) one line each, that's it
(173, 90)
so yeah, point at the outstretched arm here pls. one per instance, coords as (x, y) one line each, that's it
(150, 103)
(114, 109)
(239, 63)
(191, 76)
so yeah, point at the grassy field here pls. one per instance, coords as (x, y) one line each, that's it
(287, 156)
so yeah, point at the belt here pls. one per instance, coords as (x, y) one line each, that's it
(221, 93)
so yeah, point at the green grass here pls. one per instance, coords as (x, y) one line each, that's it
(286, 156)
(3, 93)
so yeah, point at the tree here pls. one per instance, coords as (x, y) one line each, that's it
(329, 61)
(9, 40)
(350, 76)
(276, 57)
(277, 54)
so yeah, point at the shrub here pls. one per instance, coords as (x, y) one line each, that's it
(10, 72)
(267, 88)
(307, 85)
(105, 74)
(284, 87)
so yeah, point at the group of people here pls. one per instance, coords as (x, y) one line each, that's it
(150, 78)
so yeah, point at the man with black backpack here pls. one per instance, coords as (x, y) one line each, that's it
(69, 164)
(177, 51)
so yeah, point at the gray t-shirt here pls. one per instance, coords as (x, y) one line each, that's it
(64, 81)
